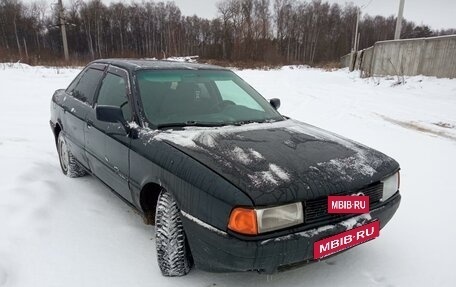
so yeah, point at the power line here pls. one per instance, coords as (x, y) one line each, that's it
(366, 5)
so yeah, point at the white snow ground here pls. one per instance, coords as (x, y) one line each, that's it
(56, 231)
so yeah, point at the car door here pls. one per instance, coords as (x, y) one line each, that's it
(107, 144)
(76, 104)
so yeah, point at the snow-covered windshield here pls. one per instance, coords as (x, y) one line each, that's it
(200, 97)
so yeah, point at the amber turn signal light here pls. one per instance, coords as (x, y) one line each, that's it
(243, 220)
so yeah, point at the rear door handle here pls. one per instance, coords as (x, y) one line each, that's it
(89, 124)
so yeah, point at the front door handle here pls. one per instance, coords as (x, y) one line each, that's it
(89, 124)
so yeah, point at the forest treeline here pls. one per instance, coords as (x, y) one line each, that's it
(268, 31)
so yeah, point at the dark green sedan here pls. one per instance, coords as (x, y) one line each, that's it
(229, 182)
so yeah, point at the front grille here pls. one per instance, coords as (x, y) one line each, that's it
(316, 210)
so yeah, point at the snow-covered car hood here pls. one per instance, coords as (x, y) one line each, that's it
(283, 161)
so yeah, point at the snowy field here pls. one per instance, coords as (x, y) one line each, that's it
(57, 231)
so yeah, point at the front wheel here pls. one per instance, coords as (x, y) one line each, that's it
(172, 250)
(70, 166)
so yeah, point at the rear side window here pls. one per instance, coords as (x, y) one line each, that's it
(74, 83)
(85, 88)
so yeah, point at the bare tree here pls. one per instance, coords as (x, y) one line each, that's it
(293, 31)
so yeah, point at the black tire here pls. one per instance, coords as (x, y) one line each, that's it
(172, 250)
(70, 166)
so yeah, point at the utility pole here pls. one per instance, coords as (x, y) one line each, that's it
(63, 29)
(355, 43)
(397, 34)
(356, 31)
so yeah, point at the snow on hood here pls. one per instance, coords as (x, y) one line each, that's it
(285, 159)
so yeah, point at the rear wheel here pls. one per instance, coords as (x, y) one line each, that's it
(172, 250)
(70, 166)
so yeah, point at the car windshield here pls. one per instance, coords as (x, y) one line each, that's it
(200, 97)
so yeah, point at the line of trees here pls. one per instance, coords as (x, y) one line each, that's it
(270, 31)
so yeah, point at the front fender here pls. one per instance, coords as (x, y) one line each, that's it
(199, 191)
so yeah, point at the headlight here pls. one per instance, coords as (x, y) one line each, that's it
(274, 218)
(390, 186)
(254, 221)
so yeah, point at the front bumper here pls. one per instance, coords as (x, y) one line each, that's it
(222, 252)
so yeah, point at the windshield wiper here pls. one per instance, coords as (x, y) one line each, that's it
(240, 123)
(190, 124)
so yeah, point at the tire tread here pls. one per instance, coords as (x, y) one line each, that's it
(172, 256)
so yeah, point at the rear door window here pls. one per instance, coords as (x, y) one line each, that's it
(84, 90)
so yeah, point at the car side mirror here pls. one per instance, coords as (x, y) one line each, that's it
(275, 103)
(112, 114)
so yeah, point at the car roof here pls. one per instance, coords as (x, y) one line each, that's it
(145, 64)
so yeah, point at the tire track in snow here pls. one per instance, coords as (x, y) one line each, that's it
(419, 127)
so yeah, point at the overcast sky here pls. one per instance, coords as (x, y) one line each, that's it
(436, 13)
